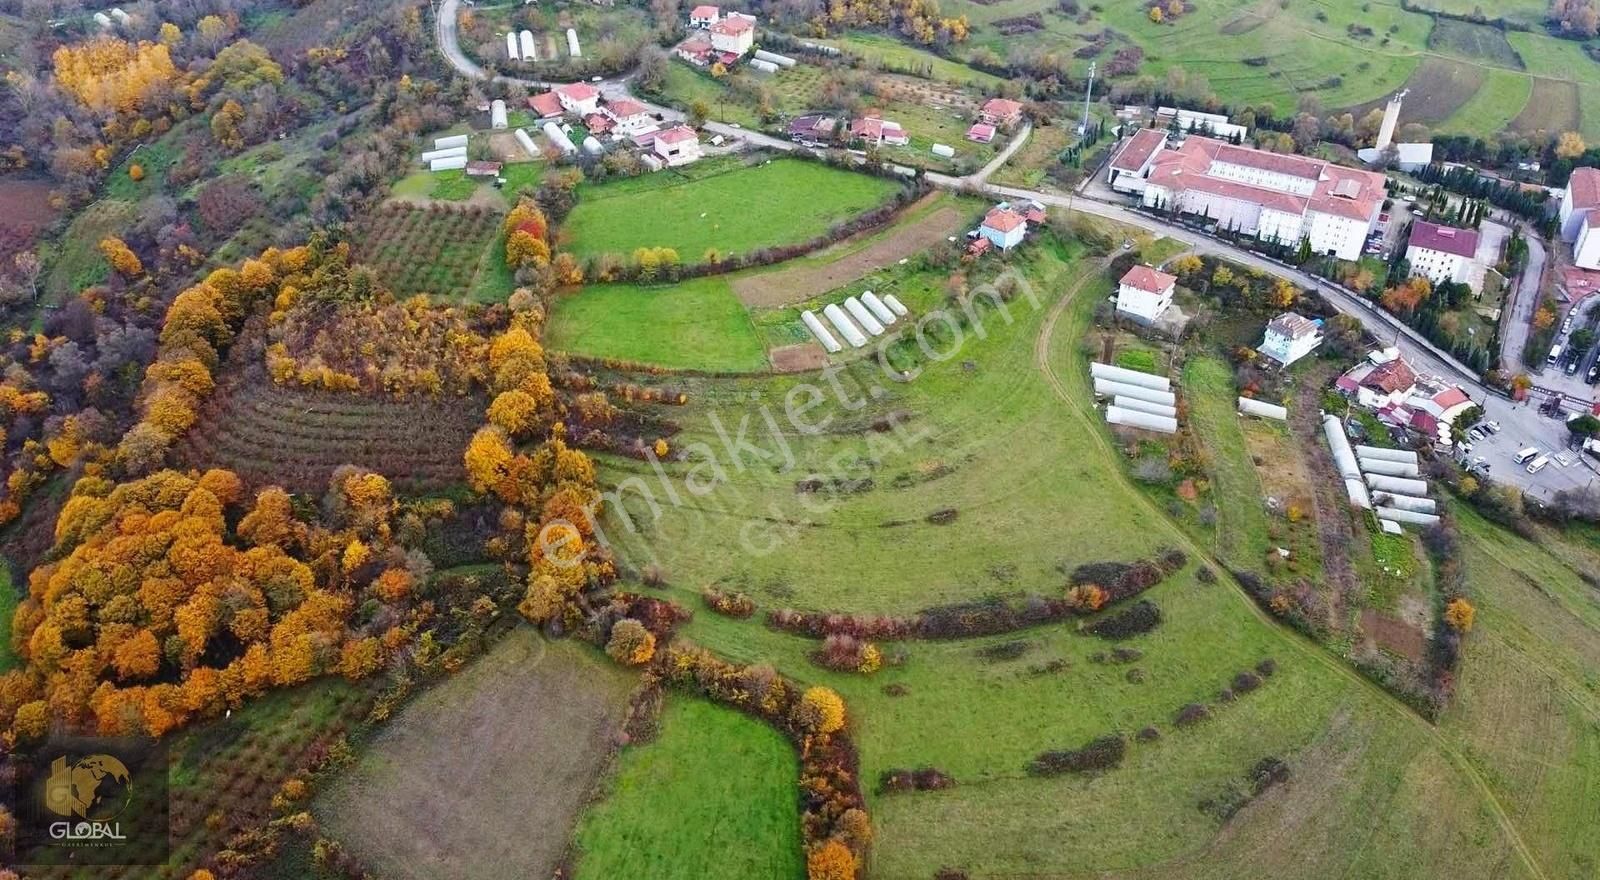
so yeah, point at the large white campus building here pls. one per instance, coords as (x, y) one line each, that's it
(1274, 196)
(1579, 223)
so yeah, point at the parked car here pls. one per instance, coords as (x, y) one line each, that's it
(1494, 427)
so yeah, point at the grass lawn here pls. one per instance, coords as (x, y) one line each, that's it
(731, 780)
(75, 261)
(1503, 95)
(1241, 533)
(695, 325)
(1037, 489)
(726, 206)
(891, 54)
(8, 607)
(685, 86)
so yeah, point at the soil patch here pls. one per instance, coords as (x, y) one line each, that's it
(1394, 636)
(800, 283)
(800, 358)
(1552, 107)
(483, 776)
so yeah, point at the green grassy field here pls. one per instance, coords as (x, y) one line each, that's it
(892, 54)
(730, 780)
(8, 607)
(697, 324)
(1241, 529)
(1029, 469)
(723, 206)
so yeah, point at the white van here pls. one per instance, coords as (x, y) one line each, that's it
(1538, 464)
(1526, 455)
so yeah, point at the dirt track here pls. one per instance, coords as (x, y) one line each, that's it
(800, 283)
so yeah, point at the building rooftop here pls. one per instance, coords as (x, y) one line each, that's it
(980, 131)
(546, 104)
(1446, 239)
(1585, 186)
(705, 12)
(1139, 148)
(625, 107)
(577, 91)
(1293, 326)
(1001, 108)
(1345, 192)
(733, 26)
(676, 134)
(1003, 219)
(1148, 279)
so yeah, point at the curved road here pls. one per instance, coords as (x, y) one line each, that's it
(1519, 419)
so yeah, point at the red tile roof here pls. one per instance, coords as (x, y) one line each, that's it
(981, 132)
(1001, 108)
(705, 12)
(1003, 219)
(1139, 149)
(1450, 397)
(1445, 239)
(1585, 185)
(876, 128)
(1280, 163)
(625, 107)
(577, 91)
(546, 104)
(733, 26)
(1346, 192)
(676, 134)
(597, 124)
(1396, 375)
(1148, 279)
(1579, 283)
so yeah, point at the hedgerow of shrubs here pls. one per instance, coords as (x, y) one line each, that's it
(846, 653)
(728, 604)
(1101, 753)
(1110, 582)
(1141, 618)
(921, 779)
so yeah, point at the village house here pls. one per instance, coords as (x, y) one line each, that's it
(1290, 337)
(1001, 112)
(1273, 196)
(703, 17)
(981, 132)
(1383, 379)
(676, 146)
(1442, 253)
(734, 35)
(1132, 164)
(874, 129)
(598, 123)
(812, 130)
(546, 105)
(629, 117)
(1579, 224)
(483, 169)
(579, 98)
(1004, 227)
(1144, 294)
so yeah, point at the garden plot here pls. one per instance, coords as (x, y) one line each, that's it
(438, 249)
(483, 776)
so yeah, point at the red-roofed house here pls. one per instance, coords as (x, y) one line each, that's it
(1145, 293)
(1003, 112)
(678, 145)
(733, 35)
(598, 123)
(1579, 223)
(1132, 163)
(579, 98)
(1004, 227)
(1375, 386)
(1442, 253)
(546, 105)
(1273, 196)
(981, 132)
(483, 169)
(696, 49)
(874, 129)
(630, 117)
(704, 16)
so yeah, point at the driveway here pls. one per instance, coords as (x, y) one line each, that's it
(1517, 321)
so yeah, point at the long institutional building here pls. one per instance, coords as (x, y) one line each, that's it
(1274, 196)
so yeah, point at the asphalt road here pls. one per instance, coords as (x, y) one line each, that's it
(1517, 323)
(1522, 424)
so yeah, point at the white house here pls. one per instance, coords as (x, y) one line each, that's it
(1145, 293)
(1004, 227)
(1273, 196)
(875, 129)
(734, 35)
(703, 17)
(631, 118)
(678, 145)
(1290, 337)
(1579, 225)
(579, 98)
(1442, 253)
(1131, 165)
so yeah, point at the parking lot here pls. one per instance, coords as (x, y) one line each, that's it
(1522, 427)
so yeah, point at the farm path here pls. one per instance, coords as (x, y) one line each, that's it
(1042, 361)
(1328, 506)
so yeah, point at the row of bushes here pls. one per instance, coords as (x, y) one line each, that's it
(921, 779)
(1114, 582)
(1101, 753)
(1143, 617)
(1264, 774)
(728, 604)
(1242, 683)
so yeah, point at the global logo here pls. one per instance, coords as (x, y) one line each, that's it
(94, 789)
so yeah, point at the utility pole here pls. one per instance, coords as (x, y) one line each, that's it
(1088, 94)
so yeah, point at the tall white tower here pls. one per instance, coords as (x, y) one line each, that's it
(1391, 118)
